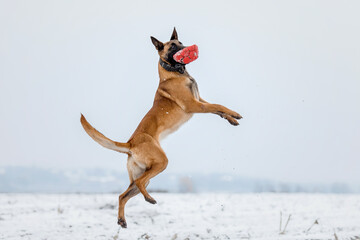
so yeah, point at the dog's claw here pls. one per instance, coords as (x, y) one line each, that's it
(237, 116)
(150, 200)
(122, 223)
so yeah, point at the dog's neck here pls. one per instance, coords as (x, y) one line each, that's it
(177, 68)
(165, 75)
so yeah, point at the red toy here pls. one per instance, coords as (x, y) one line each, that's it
(187, 55)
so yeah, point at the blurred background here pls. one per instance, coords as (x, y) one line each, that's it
(290, 68)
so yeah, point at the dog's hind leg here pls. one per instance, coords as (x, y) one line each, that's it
(149, 156)
(143, 181)
(134, 172)
(123, 198)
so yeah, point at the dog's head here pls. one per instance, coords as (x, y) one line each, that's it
(167, 50)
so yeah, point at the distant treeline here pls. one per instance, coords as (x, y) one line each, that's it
(32, 179)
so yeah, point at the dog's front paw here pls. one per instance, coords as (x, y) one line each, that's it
(232, 121)
(235, 115)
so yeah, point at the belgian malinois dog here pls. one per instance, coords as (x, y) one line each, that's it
(176, 100)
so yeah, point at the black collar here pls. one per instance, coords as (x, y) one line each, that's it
(177, 68)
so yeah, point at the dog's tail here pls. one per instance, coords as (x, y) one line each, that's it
(102, 140)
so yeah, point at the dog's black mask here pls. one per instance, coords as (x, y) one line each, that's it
(175, 47)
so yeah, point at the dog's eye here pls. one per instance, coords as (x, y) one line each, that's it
(173, 46)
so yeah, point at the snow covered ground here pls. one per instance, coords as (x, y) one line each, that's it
(180, 216)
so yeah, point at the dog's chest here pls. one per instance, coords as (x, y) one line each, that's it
(194, 88)
(175, 126)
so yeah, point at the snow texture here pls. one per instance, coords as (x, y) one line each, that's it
(180, 216)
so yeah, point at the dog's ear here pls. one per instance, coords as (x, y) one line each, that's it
(158, 45)
(174, 35)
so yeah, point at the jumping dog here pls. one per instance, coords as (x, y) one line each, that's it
(176, 100)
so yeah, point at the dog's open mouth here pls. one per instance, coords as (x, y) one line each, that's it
(187, 55)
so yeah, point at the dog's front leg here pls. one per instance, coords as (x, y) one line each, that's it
(230, 119)
(191, 105)
(202, 106)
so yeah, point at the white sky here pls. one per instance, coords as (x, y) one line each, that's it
(291, 68)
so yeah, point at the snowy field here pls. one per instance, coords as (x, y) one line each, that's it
(180, 216)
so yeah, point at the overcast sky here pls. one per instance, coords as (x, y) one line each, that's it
(290, 68)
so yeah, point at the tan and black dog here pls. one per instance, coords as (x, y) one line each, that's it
(176, 100)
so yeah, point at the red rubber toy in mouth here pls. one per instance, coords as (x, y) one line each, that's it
(187, 55)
